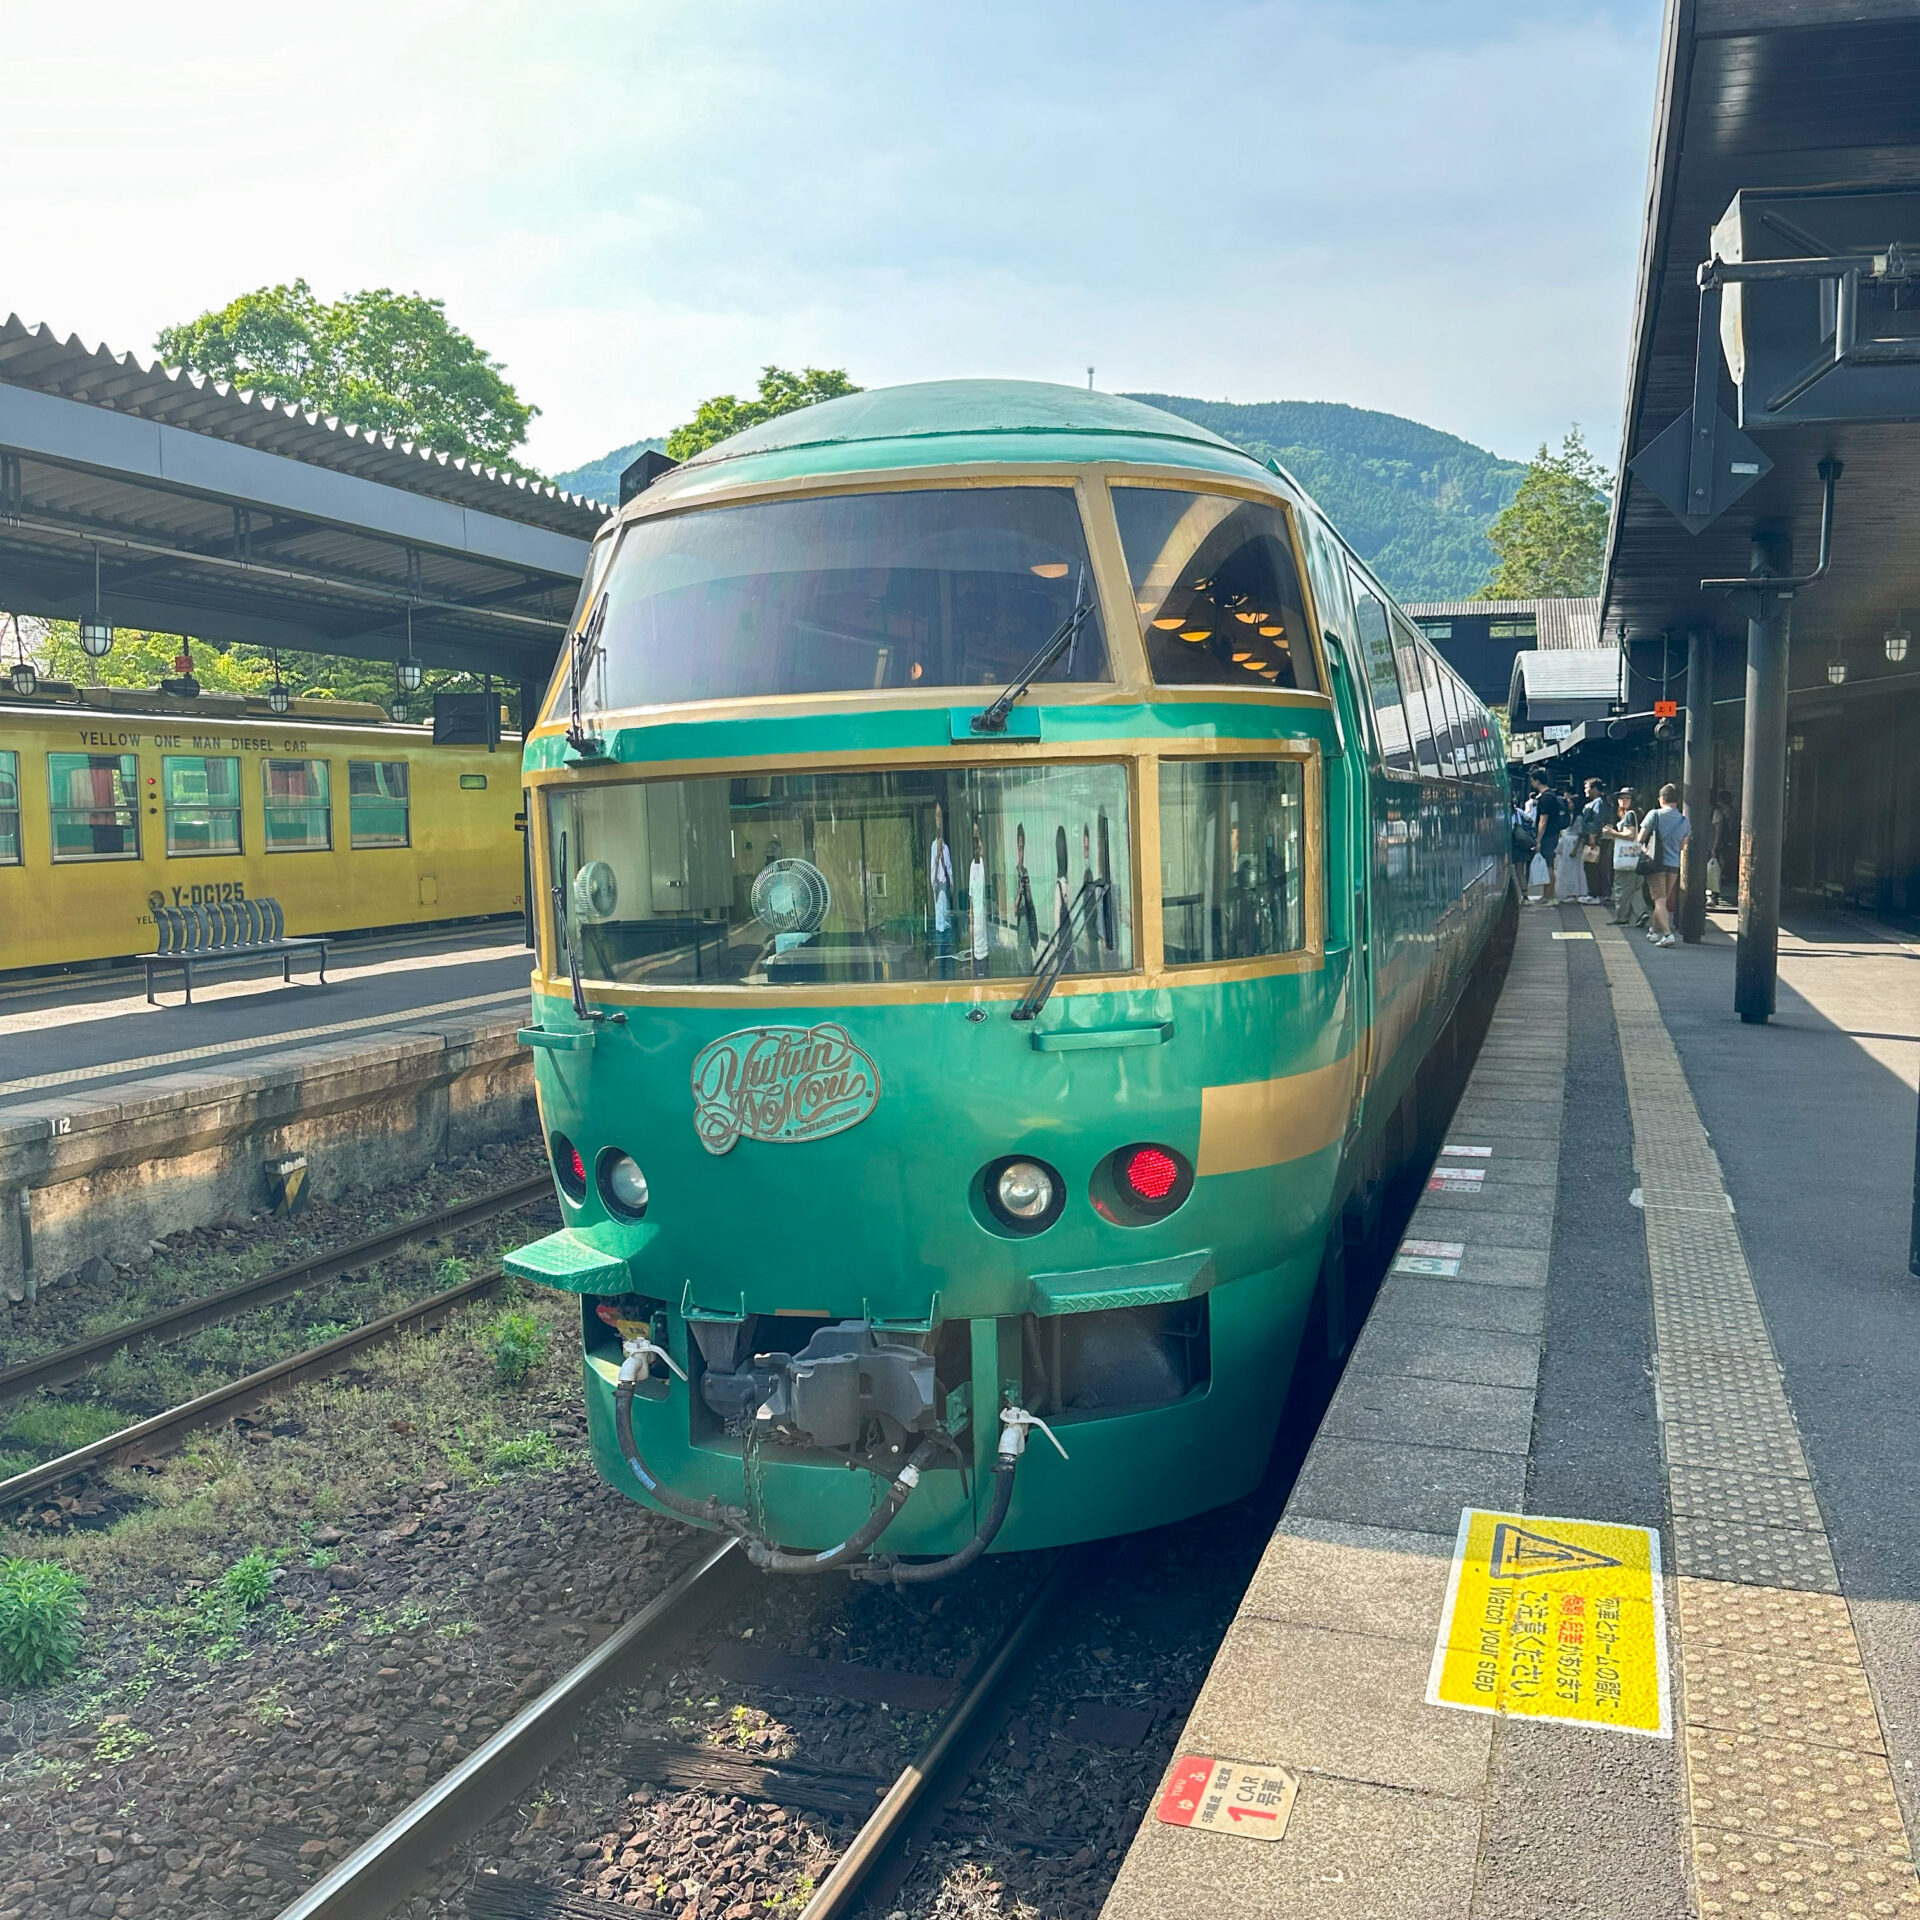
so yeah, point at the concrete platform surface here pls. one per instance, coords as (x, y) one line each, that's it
(1644, 1326)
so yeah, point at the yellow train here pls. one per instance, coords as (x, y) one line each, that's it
(114, 801)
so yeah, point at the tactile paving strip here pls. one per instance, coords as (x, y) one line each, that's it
(1791, 1797)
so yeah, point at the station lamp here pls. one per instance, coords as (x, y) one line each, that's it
(406, 672)
(279, 698)
(1837, 668)
(96, 632)
(23, 675)
(1896, 640)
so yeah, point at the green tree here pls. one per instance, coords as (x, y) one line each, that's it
(780, 392)
(1552, 540)
(389, 361)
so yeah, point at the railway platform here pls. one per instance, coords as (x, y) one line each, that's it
(121, 1122)
(1599, 1590)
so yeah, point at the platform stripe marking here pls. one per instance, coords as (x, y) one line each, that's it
(108, 1069)
(1791, 1798)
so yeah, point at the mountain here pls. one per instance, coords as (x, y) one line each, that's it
(600, 479)
(1414, 502)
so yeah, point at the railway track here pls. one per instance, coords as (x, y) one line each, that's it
(389, 1868)
(162, 1430)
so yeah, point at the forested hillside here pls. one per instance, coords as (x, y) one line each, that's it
(1416, 503)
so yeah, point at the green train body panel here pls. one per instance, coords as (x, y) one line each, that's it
(884, 1221)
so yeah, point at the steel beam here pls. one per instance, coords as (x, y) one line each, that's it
(1697, 794)
(1763, 795)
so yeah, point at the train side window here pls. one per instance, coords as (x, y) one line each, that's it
(201, 793)
(1217, 589)
(378, 803)
(299, 806)
(1383, 678)
(9, 809)
(1232, 859)
(1421, 718)
(1444, 691)
(473, 783)
(96, 805)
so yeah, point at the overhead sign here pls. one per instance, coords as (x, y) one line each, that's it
(1228, 1796)
(1665, 709)
(1555, 1620)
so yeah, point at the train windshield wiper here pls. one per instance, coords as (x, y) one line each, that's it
(1058, 951)
(580, 651)
(994, 719)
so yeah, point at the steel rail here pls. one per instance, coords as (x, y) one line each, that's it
(377, 1876)
(911, 1797)
(68, 1363)
(145, 1436)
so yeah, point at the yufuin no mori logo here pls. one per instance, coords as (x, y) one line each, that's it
(781, 1084)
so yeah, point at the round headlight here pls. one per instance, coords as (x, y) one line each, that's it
(624, 1185)
(1025, 1189)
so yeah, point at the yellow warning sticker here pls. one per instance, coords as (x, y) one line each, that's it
(1556, 1620)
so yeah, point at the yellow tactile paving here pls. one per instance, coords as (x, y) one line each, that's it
(1791, 1801)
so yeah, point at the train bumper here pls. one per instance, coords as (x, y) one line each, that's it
(1126, 1470)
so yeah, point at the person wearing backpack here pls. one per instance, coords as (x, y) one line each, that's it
(1663, 833)
(1551, 814)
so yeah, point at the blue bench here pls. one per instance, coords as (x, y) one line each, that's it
(227, 934)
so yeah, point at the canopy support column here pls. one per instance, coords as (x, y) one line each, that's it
(1698, 794)
(1763, 797)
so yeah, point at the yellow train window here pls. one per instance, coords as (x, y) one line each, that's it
(96, 814)
(9, 809)
(473, 782)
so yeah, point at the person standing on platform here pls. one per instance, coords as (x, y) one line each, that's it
(1623, 836)
(1662, 834)
(1596, 850)
(1550, 816)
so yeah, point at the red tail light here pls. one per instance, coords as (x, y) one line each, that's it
(1151, 1173)
(579, 1167)
(568, 1167)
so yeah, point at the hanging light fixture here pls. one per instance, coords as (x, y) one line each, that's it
(23, 674)
(1837, 667)
(278, 696)
(407, 673)
(96, 634)
(398, 713)
(1896, 639)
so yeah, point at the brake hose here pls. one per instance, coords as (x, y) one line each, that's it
(710, 1511)
(772, 1559)
(1013, 1443)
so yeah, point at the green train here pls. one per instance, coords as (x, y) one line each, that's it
(1004, 860)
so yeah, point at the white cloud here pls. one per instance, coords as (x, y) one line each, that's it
(1430, 208)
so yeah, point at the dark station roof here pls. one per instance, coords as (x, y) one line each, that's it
(225, 515)
(1755, 94)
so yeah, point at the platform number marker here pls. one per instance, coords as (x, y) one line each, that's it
(1555, 1620)
(1228, 1796)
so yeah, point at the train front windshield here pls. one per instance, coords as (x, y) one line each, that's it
(840, 593)
(804, 879)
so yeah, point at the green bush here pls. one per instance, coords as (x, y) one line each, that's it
(516, 1343)
(39, 1623)
(248, 1583)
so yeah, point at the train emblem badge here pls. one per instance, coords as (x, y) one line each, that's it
(782, 1085)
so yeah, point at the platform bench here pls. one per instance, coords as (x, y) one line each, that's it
(227, 934)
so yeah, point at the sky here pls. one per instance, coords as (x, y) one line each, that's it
(1431, 207)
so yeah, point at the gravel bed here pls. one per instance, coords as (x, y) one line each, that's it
(213, 1760)
(209, 1259)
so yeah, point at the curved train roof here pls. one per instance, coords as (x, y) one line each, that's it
(945, 422)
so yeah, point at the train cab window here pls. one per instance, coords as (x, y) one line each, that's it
(9, 809)
(1232, 859)
(95, 805)
(1383, 677)
(949, 873)
(1217, 590)
(844, 593)
(377, 803)
(299, 806)
(1423, 719)
(201, 793)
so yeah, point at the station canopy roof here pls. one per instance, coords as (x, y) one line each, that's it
(1566, 622)
(1562, 687)
(223, 515)
(1767, 94)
